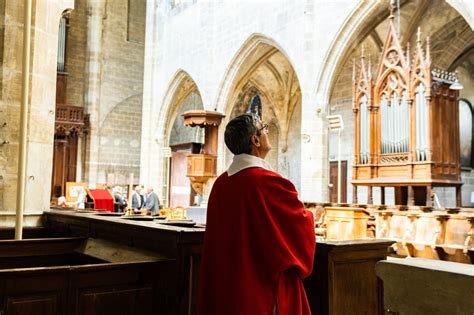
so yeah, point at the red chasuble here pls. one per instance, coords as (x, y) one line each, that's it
(259, 244)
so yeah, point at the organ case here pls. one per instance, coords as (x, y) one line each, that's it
(407, 125)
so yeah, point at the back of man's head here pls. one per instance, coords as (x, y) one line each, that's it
(238, 132)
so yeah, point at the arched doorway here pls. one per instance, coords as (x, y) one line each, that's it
(181, 141)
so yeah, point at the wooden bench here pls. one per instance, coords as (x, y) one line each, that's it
(81, 276)
(429, 233)
(346, 223)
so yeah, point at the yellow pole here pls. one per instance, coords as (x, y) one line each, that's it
(20, 195)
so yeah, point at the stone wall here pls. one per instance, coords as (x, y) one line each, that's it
(106, 77)
(214, 42)
(217, 43)
(76, 54)
(42, 87)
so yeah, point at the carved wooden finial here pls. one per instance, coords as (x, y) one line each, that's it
(392, 9)
(418, 35)
(428, 54)
(369, 68)
(362, 53)
(353, 70)
(408, 54)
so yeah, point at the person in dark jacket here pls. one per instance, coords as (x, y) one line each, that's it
(137, 203)
(152, 203)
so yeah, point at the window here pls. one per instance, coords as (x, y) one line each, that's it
(256, 106)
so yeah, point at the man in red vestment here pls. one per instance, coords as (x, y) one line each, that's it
(259, 241)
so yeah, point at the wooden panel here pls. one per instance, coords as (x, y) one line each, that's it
(61, 88)
(201, 165)
(180, 186)
(182, 244)
(343, 280)
(40, 305)
(346, 223)
(59, 167)
(129, 288)
(50, 276)
(28, 233)
(397, 227)
(28, 292)
(363, 172)
(421, 171)
(113, 301)
(354, 280)
(333, 180)
(402, 171)
(64, 164)
(38, 247)
(71, 165)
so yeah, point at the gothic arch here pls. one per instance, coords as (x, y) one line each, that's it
(357, 27)
(262, 66)
(253, 44)
(180, 87)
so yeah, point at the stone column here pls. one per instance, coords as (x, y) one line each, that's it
(41, 118)
(95, 16)
(314, 153)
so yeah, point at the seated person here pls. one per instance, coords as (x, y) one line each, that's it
(62, 202)
(118, 199)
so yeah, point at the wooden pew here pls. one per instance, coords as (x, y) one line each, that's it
(81, 276)
(181, 244)
(444, 234)
(346, 223)
(343, 280)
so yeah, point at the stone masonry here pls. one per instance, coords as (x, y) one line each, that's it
(214, 42)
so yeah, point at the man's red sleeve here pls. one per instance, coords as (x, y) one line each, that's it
(287, 226)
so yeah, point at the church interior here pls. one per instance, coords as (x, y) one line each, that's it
(370, 113)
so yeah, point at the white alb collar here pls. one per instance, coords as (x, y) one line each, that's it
(243, 161)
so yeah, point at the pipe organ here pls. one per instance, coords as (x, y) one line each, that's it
(407, 124)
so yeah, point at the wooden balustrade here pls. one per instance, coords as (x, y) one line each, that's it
(71, 119)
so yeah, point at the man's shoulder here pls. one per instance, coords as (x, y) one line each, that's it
(250, 172)
(260, 172)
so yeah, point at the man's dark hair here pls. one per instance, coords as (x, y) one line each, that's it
(238, 132)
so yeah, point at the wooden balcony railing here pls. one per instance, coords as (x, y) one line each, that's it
(71, 119)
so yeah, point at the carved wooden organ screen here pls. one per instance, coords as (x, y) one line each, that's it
(407, 124)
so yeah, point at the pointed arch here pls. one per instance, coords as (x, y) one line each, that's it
(262, 66)
(235, 70)
(361, 21)
(180, 87)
